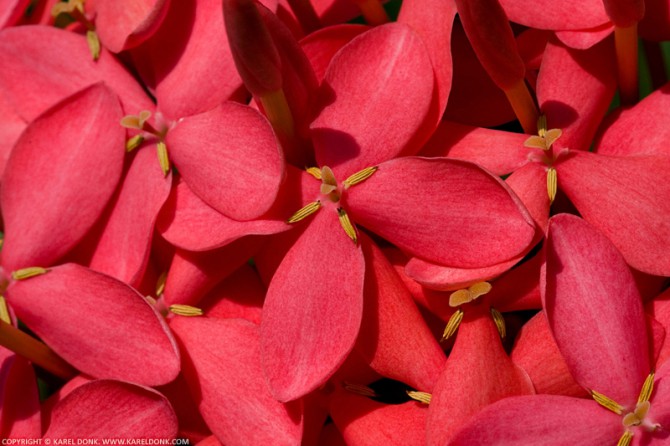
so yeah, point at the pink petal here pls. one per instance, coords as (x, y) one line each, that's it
(530, 185)
(19, 398)
(230, 158)
(321, 45)
(362, 124)
(11, 12)
(536, 352)
(193, 274)
(433, 22)
(556, 15)
(51, 169)
(440, 209)
(623, 198)
(574, 90)
(542, 420)
(365, 421)
(191, 424)
(122, 250)
(124, 24)
(189, 223)
(518, 289)
(496, 150)
(313, 309)
(594, 310)
(11, 127)
(478, 373)
(585, 39)
(394, 338)
(626, 136)
(654, 24)
(34, 54)
(115, 345)
(240, 295)
(224, 359)
(122, 410)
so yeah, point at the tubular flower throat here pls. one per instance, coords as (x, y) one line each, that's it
(331, 191)
(631, 418)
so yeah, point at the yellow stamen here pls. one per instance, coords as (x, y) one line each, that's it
(186, 310)
(359, 177)
(422, 397)
(647, 389)
(26, 273)
(499, 320)
(67, 7)
(160, 283)
(136, 121)
(552, 184)
(278, 112)
(347, 225)
(134, 142)
(329, 182)
(544, 138)
(4, 311)
(93, 43)
(625, 439)
(315, 172)
(359, 389)
(463, 296)
(606, 402)
(305, 212)
(163, 160)
(452, 325)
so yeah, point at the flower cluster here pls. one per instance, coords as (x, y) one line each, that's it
(328, 222)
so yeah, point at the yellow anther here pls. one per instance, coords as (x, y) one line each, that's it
(606, 402)
(134, 142)
(359, 177)
(93, 43)
(347, 225)
(329, 183)
(160, 283)
(542, 125)
(625, 439)
(315, 172)
(452, 325)
(463, 296)
(305, 212)
(26, 273)
(499, 320)
(136, 121)
(552, 184)
(4, 311)
(647, 389)
(544, 138)
(422, 397)
(359, 389)
(186, 310)
(163, 159)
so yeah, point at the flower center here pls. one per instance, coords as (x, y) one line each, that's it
(543, 141)
(467, 295)
(146, 130)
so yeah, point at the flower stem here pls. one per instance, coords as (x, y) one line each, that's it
(625, 40)
(35, 351)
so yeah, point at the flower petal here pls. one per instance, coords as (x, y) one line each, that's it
(46, 199)
(445, 211)
(230, 158)
(122, 410)
(313, 309)
(115, 346)
(362, 124)
(223, 370)
(321, 45)
(20, 408)
(556, 16)
(124, 24)
(594, 310)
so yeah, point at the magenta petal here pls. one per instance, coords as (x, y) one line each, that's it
(123, 24)
(224, 360)
(530, 185)
(230, 158)
(542, 420)
(122, 250)
(445, 211)
(585, 39)
(478, 373)
(189, 223)
(394, 337)
(574, 90)
(321, 45)
(623, 198)
(547, 14)
(313, 308)
(115, 344)
(34, 54)
(122, 410)
(47, 202)
(364, 124)
(594, 310)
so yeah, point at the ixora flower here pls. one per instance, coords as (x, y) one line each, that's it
(585, 279)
